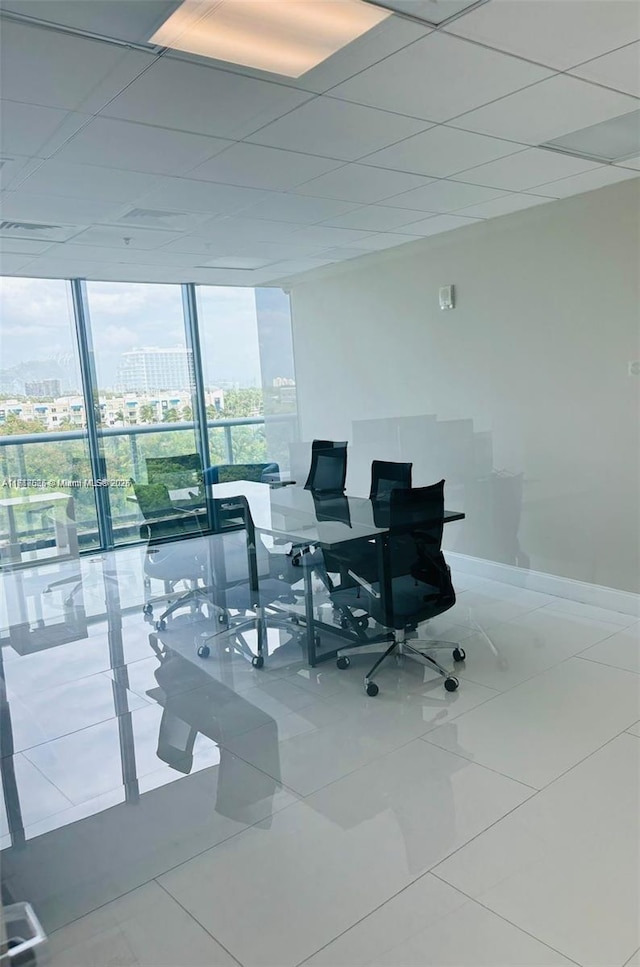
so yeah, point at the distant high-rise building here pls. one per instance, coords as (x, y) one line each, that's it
(153, 369)
(42, 387)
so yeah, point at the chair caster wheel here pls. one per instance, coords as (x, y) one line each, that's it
(161, 625)
(371, 689)
(257, 661)
(343, 662)
(68, 602)
(317, 640)
(148, 609)
(344, 623)
(223, 619)
(204, 651)
(295, 620)
(459, 654)
(451, 684)
(362, 623)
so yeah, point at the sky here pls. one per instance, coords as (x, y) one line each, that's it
(37, 324)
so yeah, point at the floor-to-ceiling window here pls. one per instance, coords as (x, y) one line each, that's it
(47, 498)
(145, 381)
(151, 359)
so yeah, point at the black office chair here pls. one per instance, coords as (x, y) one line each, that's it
(328, 471)
(415, 584)
(386, 476)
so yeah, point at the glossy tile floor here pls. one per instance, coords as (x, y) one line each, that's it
(161, 810)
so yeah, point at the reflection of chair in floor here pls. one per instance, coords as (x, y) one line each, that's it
(193, 703)
(246, 577)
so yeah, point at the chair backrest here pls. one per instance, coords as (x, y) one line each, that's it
(176, 472)
(163, 520)
(386, 475)
(227, 472)
(231, 514)
(328, 471)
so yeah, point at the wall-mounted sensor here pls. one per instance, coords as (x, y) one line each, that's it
(446, 297)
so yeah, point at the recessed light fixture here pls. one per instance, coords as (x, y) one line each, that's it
(286, 37)
(609, 141)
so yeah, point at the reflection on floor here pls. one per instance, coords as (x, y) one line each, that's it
(164, 810)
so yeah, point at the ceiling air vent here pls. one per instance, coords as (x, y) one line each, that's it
(148, 215)
(38, 230)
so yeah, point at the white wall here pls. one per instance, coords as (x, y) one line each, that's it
(535, 353)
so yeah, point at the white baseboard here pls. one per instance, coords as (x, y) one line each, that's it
(623, 601)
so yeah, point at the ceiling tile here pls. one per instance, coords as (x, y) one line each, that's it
(237, 262)
(525, 170)
(441, 151)
(25, 206)
(438, 78)
(631, 163)
(376, 218)
(444, 196)
(138, 147)
(242, 228)
(339, 254)
(11, 264)
(589, 181)
(189, 97)
(264, 251)
(441, 223)
(336, 129)
(254, 166)
(34, 65)
(362, 183)
(87, 181)
(123, 19)
(560, 34)
(122, 254)
(503, 206)
(26, 127)
(185, 194)
(619, 69)
(377, 243)
(325, 237)
(285, 207)
(14, 169)
(112, 236)
(547, 110)
(23, 246)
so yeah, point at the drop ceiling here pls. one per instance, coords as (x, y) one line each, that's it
(122, 161)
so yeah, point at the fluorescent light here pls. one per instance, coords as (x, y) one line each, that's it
(281, 36)
(609, 141)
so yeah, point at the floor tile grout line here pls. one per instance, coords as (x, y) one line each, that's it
(506, 920)
(596, 661)
(195, 920)
(429, 871)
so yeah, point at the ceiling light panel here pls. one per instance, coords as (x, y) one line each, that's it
(287, 37)
(609, 141)
(433, 11)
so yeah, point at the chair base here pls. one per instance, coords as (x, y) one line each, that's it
(262, 620)
(400, 646)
